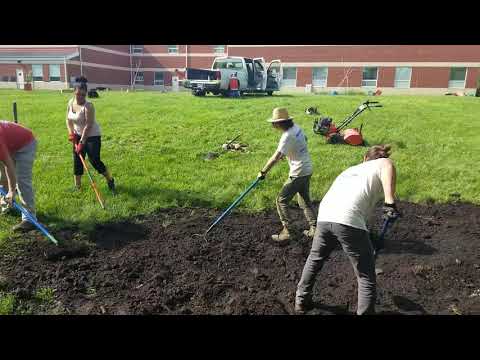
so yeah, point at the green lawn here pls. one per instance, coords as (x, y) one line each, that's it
(152, 143)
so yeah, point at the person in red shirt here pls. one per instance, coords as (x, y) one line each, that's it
(17, 153)
(234, 86)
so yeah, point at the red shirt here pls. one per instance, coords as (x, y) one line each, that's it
(13, 137)
(233, 84)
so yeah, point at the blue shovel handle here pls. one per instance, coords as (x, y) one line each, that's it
(381, 238)
(32, 219)
(235, 203)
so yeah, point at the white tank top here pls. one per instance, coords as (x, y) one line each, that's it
(80, 121)
(353, 196)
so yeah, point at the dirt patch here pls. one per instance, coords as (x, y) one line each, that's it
(115, 236)
(156, 265)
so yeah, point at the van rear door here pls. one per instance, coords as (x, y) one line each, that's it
(260, 73)
(275, 75)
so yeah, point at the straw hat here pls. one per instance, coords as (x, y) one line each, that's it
(279, 114)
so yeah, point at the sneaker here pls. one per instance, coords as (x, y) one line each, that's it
(303, 305)
(310, 232)
(24, 226)
(111, 185)
(5, 208)
(283, 236)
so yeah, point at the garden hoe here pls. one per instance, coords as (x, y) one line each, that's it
(92, 182)
(31, 219)
(231, 207)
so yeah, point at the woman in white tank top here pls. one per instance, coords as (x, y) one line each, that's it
(84, 132)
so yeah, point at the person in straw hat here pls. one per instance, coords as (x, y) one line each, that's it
(293, 146)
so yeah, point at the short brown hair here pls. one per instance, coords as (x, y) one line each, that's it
(285, 124)
(378, 151)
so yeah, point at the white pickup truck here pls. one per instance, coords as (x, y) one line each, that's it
(254, 75)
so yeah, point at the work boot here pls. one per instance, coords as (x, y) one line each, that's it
(111, 185)
(24, 226)
(310, 232)
(303, 305)
(283, 236)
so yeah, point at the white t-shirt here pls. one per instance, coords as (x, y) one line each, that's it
(293, 144)
(353, 196)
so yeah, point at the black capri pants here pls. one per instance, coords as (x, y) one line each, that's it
(92, 149)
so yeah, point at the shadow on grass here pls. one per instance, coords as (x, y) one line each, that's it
(175, 198)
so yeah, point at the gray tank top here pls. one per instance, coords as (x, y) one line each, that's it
(80, 121)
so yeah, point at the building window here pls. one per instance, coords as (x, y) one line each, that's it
(457, 77)
(54, 72)
(370, 75)
(219, 49)
(37, 72)
(289, 76)
(159, 78)
(172, 49)
(137, 49)
(319, 77)
(139, 78)
(403, 76)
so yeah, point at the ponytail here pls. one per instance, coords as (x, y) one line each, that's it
(377, 152)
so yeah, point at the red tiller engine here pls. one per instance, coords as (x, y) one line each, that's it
(336, 134)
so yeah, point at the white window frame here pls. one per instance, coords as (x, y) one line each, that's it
(217, 48)
(170, 49)
(50, 72)
(155, 81)
(376, 80)
(397, 82)
(142, 81)
(452, 83)
(320, 83)
(41, 68)
(137, 49)
(285, 82)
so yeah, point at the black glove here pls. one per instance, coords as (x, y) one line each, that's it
(390, 211)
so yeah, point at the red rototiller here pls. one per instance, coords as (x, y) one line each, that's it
(337, 134)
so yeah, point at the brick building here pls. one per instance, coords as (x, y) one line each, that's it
(393, 68)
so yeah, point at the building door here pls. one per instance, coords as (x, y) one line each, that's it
(20, 79)
(175, 83)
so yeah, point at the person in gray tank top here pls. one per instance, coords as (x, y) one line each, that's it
(85, 134)
(342, 217)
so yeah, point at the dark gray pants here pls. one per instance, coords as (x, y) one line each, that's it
(293, 186)
(356, 244)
